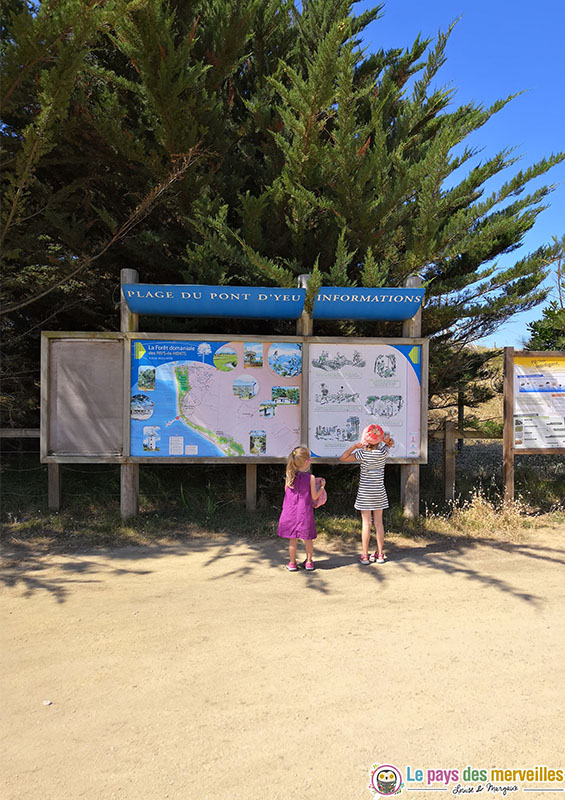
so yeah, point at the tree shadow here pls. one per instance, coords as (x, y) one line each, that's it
(31, 571)
(444, 554)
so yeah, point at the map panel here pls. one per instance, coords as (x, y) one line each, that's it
(353, 385)
(539, 402)
(215, 399)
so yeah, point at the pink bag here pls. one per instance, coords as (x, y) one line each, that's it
(322, 498)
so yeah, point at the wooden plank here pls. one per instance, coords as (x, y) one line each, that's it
(251, 487)
(304, 324)
(99, 458)
(305, 399)
(128, 321)
(539, 353)
(304, 328)
(54, 486)
(44, 398)
(20, 433)
(129, 473)
(449, 451)
(543, 451)
(508, 438)
(410, 473)
(410, 490)
(466, 434)
(129, 490)
(425, 369)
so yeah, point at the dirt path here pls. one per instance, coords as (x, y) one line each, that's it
(207, 671)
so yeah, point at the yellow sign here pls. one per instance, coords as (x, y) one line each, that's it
(414, 355)
(139, 350)
(540, 362)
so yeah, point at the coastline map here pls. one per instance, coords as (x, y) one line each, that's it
(198, 398)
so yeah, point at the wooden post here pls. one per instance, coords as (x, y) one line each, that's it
(129, 473)
(410, 473)
(449, 450)
(251, 487)
(508, 435)
(128, 320)
(304, 325)
(460, 416)
(54, 486)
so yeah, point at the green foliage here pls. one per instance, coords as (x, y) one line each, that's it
(491, 428)
(246, 143)
(548, 333)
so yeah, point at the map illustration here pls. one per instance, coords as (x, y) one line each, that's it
(353, 385)
(202, 403)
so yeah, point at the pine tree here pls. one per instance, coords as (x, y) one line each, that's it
(548, 333)
(223, 141)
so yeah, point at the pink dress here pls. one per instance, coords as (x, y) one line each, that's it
(297, 515)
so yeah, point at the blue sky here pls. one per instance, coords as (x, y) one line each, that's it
(498, 48)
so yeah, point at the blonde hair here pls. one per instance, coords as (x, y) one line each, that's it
(295, 463)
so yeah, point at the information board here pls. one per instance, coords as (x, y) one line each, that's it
(539, 402)
(215, 398)
(353, 385)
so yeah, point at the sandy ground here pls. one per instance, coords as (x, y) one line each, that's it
(205, 670)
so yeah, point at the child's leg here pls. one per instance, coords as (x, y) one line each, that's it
(365, 532)
(379, 529)
(309, 547)
(292, 551)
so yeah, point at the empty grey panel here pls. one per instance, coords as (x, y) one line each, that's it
(85, 397)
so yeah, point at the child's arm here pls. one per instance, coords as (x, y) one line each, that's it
(388, 441)
(348, 456)
(314, 491)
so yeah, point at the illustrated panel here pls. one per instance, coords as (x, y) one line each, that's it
(351, 386)
(213, 399)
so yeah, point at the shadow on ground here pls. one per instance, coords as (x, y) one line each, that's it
(28, 569)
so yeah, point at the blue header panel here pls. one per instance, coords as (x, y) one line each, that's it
(253, 302)
(249, 302)
(338, 302)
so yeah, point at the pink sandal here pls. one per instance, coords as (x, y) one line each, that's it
(377, 558)
(364, 560)
(292, 567)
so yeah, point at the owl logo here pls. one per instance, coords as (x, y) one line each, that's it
(385, 780)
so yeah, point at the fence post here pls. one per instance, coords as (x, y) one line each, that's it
(460, 416)
(410, 473)
(54, 486)
(304, 325)
(508, 435)
(251, 487)
(449, 451)
(129, 473)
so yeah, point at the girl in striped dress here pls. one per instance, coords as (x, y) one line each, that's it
(371, 452)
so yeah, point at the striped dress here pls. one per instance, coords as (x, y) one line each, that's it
(371, 493)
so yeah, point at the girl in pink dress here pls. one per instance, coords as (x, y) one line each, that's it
(297, 516)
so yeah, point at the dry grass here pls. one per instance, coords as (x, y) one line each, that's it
(480, 517)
